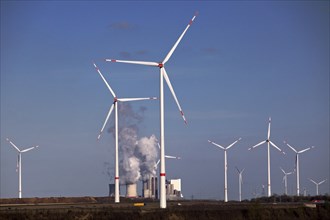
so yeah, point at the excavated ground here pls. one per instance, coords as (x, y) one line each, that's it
(105, 208)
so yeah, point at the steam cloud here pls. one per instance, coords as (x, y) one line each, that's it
(138, 156)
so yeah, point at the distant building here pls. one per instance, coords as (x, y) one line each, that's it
(111, 190)
(150, 188)
(173, 189)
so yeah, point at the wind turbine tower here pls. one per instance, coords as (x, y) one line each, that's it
(240, 182)
(162, 75)
(297, 163)
(225, 167)
(19, 165)
(114, 105)
(269, 142)
(317, 185)
(285, 180)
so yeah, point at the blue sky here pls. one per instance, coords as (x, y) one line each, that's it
(239, 63)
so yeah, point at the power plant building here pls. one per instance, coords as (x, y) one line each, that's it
(150, 188)
(173, 189)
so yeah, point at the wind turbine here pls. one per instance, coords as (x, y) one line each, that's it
(167, 156)
(19, 165)
(285, 180)
(226, 167)
(317, 185)
(240, 182)
(268, 141)
(163, 74)
(114, 105)
(297, 162)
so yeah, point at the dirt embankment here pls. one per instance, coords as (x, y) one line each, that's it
(104, 208)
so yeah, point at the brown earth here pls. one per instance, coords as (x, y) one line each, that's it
(105, 208)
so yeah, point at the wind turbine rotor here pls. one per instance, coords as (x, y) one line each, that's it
(304, 150)
(268, 134)
(145, 63)
(292, 148)
(168, 56)
(216, 144)
(12, 144)
(169, 84)
(262, 142)
(135, 99)
(233, 143)
(106, 120)
(106, 83)
(31, 148)
(276, 147)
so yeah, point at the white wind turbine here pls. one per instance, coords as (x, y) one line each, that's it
(226, 166)
(240, 182)
(163, 74)
(317, 185)
(114, 105)
(285, 180)
(268, 141)
(297, 162)
(166, 156)
(19, 165)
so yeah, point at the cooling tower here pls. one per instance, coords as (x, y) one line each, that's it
(131, 190)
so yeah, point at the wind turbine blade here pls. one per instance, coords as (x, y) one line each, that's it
(157, 163)
(238, 170)
(12, 144)
(322, 181)
(313, 181)
(268, 135)
(178, 41)
(262, 142)
(282, 170)
(145, 63)
(31, 148)
(216, 144)
(106, 83)
(170, 157)
(135, 99)
(233, 143)
(173, 93)
(242, 170)
(276, 147)
(302, 151)
(106, 120)
(290, 146)
(158, 145)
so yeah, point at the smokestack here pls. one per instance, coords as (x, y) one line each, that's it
(131, 190)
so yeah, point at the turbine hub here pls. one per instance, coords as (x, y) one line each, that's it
(267, 140)
(160, 65)
(115, 99)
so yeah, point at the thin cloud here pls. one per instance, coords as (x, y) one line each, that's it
(210, 50)
(125, 54)
(215, 115)
(141, 52)
(123, 25)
